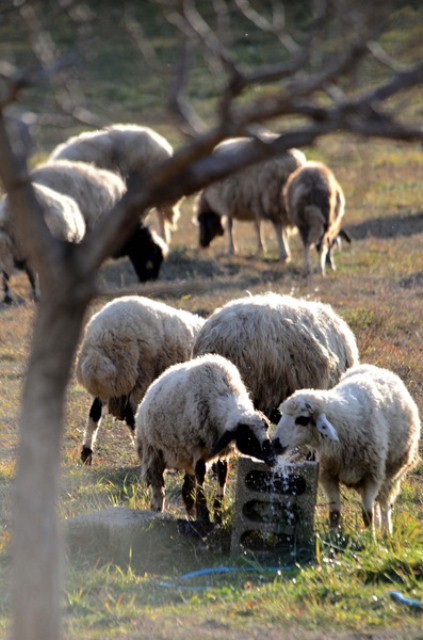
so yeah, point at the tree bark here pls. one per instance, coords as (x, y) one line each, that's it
(37, 579)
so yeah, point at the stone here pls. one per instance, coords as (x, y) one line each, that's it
(146, 540)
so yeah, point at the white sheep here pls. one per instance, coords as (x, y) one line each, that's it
(366, 432)
(97, 191)
(191, 415)
(125, 346)
(64, 220)
(252, 194)
(280, 344)
(124, 148)
(315, 204)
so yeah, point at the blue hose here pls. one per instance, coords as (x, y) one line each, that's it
(215, 570)
(410, 602)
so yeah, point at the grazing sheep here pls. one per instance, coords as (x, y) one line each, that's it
(315, 204)
(252, 194)
(124, 148)
(365, 431)
(97, 191)
(64, 220)
(193, 414)
(279, 344)
(125, 346)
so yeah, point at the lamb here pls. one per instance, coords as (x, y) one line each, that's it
(125, 346)
(124, 148)
(97, 191)
(252, 194)
(366, 431)
(315, 204)
(64, 220)
(193, 414)
(279, 344)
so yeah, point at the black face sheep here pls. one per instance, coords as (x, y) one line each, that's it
(366, 432)
(191, 415)
(125, 346)
(64, 220)
(315, 204)
(279, 344)
(97, 191)
(124, 148)
(252, 194)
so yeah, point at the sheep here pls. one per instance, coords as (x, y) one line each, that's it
(97, 191)
(252, 194)
(366, 431)
(193, 414)
(124, 148)
(315, 204)
(280, 344)
(125, 346)
(64, 220)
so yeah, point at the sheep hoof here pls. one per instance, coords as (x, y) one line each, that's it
(194, 528)
(87, 456)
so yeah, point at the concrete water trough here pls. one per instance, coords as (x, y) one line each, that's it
(274, 509)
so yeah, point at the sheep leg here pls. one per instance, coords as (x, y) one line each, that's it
(161, 223)
(231, 247)
(308, 263)
(329, 256)
(377, 515)
(260, 246)
(222, 469)
(368, 497)
(386, 516)
(386, 500)
(188, 494)
(130, 420)
(33, 282)
(322, 258)
(155, 480)
(91, 431)
(7, 295)
(331, 488)
(282, 240)
(203, 514)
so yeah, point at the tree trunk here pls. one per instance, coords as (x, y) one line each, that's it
(37, 580)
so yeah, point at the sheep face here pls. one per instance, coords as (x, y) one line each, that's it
(146, 253)
(302, 423)
(210, 226)
(250, 439)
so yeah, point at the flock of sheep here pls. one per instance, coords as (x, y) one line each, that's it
(195, 391)
(85, 177)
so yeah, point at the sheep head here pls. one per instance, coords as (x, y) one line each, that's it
(210, 226)
(250, 439)
(303, 422)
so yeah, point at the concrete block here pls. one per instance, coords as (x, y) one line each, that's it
(274, 509)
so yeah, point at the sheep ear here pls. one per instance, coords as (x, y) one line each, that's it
(326, 428)
(221, 443)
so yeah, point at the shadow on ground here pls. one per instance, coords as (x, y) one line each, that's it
(389, 226)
